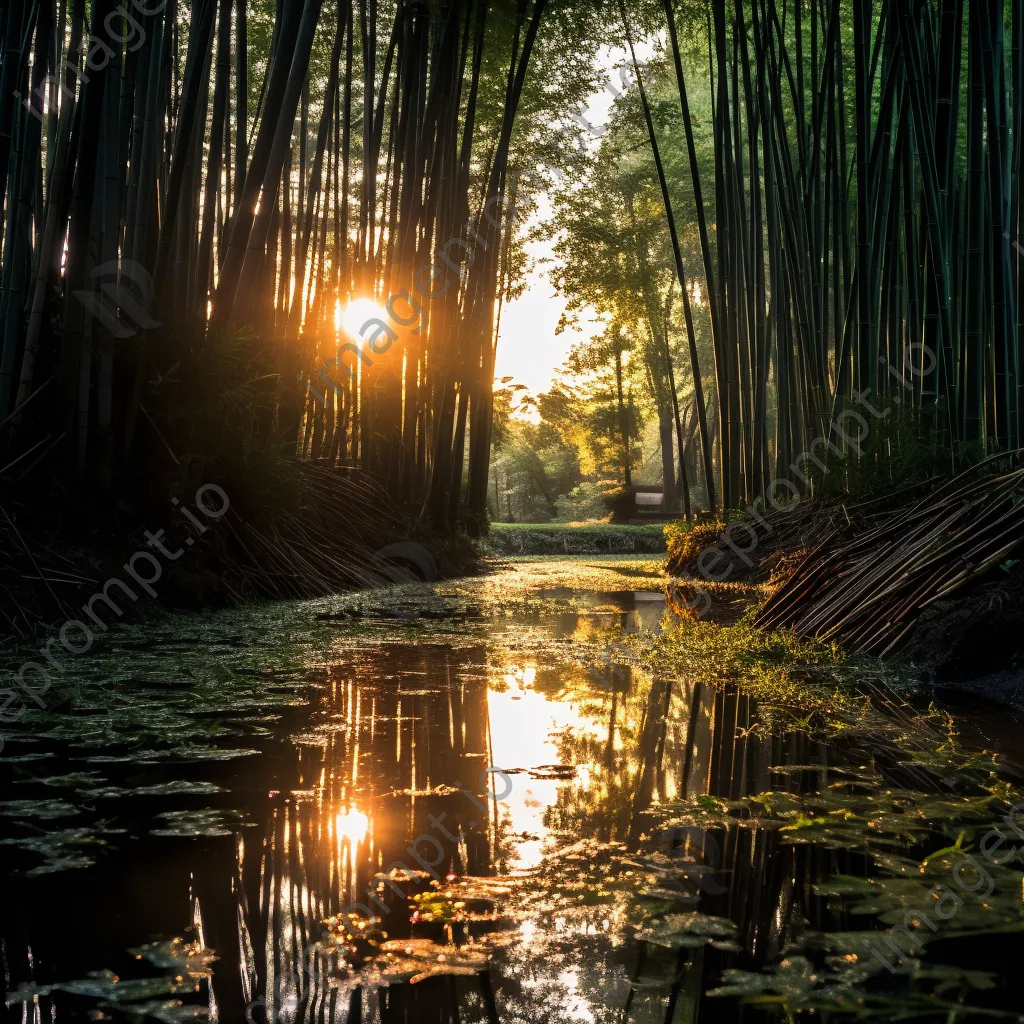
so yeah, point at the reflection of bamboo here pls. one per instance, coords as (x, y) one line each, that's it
(213, 875)
(723, 746)
(641, 957)
(647, 752)
(609, 749)
(493, 837)
(691, 736)
(659, 756)
(309, 872)
(488, 994)
(673, 996)
(247, 959)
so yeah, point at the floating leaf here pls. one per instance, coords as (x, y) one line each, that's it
(47, 810)
(192, 824)
(177, 956)
(177, 787)
(675, 931)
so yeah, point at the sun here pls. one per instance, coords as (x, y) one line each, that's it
(358, 313)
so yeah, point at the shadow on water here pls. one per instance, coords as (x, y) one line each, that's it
(510, 822)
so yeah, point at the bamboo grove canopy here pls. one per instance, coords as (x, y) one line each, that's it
(837, 192)
(317, 206)
(181, 178)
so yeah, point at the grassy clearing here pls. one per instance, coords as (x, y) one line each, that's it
(564, 539)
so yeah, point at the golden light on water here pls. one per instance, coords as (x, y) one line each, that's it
(351, 825)
(355, 316)
(525, 728)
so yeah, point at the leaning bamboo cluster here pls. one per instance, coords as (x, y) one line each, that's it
(866, 592)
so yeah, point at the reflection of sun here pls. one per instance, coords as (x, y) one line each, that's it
(358, 313)
(352, 825)
(526, 729)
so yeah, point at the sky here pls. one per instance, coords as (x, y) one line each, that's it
(528, 348)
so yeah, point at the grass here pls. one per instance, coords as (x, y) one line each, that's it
(564, 539)
(684, 542)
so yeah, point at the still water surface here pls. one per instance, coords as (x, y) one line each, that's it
(457, 803)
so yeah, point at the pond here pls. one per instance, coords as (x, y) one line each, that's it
(483, 801)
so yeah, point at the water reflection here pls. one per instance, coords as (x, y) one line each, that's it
(493, 790)
(525, 725)
(351, 826)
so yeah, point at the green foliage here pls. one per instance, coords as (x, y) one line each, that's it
(587, 501)
(524, 539)
(563, 468)
(685, 541)
(899, 449)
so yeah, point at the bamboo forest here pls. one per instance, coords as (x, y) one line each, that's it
(511, 511)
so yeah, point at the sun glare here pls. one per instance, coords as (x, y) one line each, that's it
(358, 313)
(352, 825)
